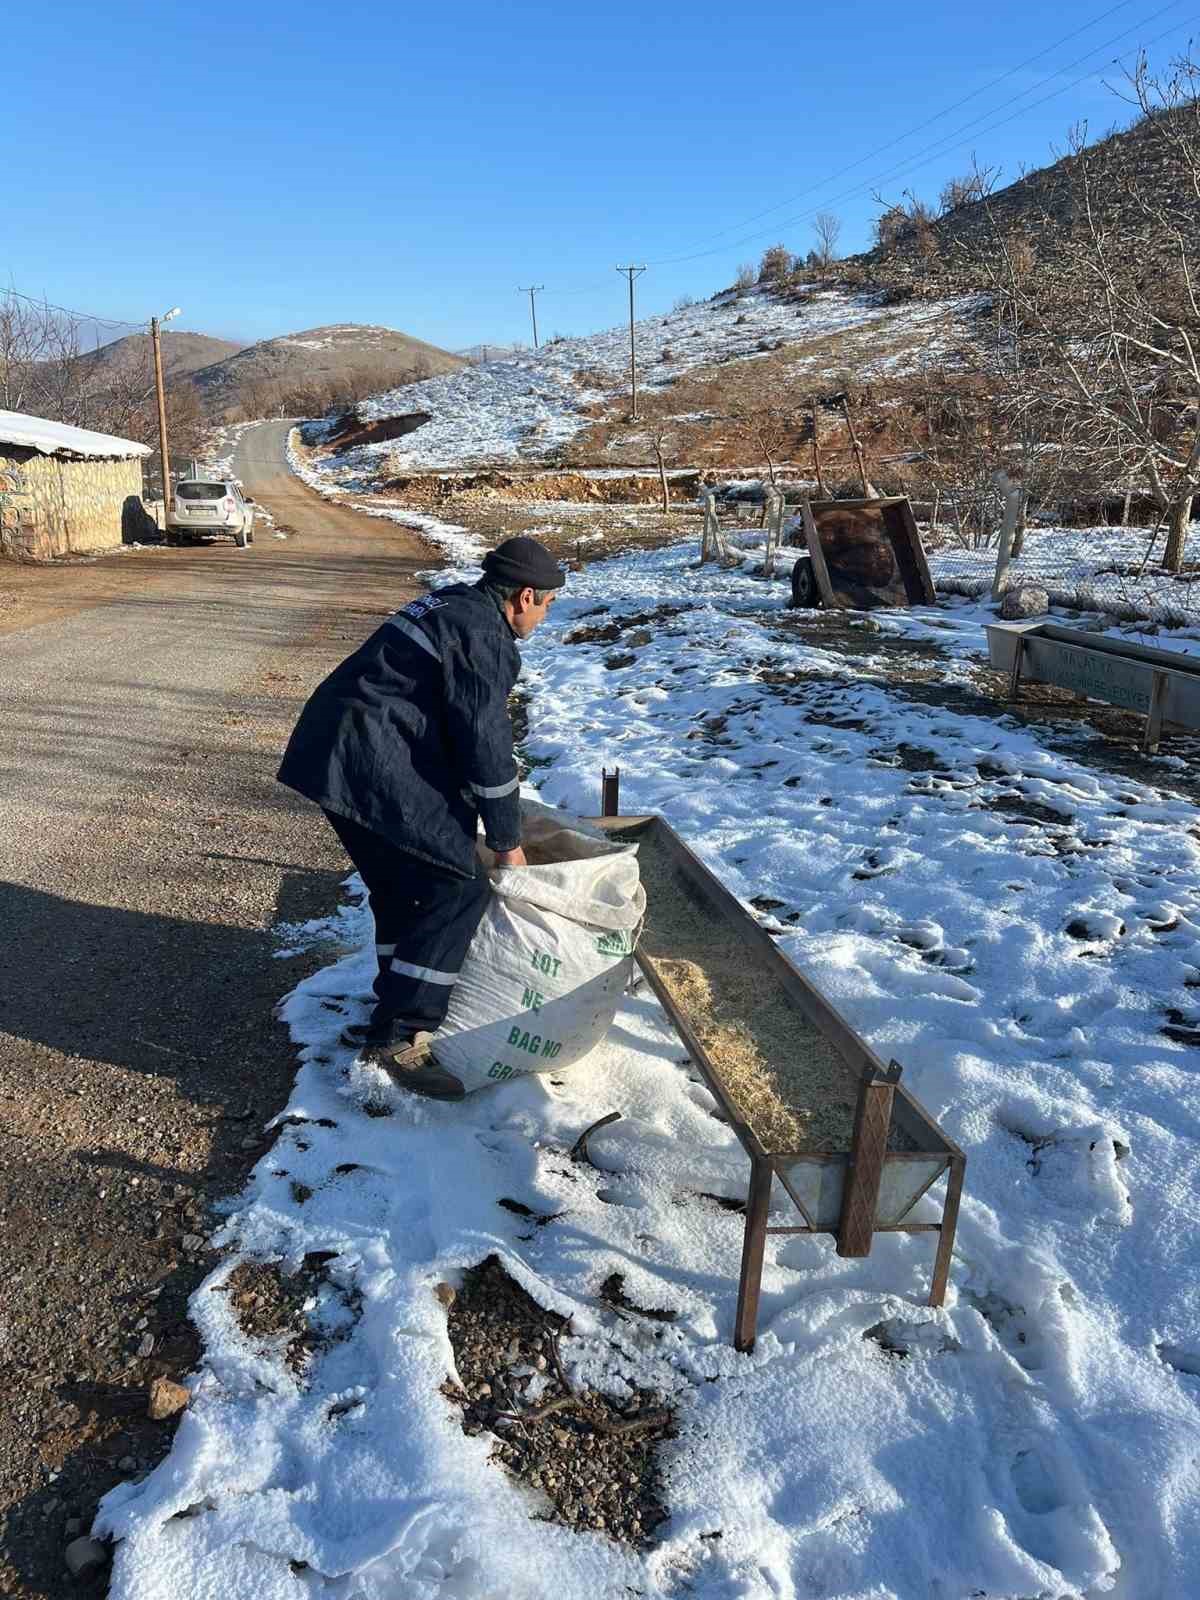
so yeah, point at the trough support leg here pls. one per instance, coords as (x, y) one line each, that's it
(941, 1265)
(1014, 678)
(610, 792)
(1154, 716)
(868, 1148)
(754, 1241)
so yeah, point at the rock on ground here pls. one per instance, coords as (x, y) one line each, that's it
(1024, 600)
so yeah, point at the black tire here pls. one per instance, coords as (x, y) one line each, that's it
(172, 538)
(242, 539)
(805, 595)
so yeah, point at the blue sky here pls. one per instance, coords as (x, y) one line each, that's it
(271, 167)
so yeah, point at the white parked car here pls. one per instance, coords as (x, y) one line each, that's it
(210, 505)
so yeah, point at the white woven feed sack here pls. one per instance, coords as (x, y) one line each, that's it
(552, 956)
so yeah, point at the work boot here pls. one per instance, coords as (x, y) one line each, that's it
(412, 1065)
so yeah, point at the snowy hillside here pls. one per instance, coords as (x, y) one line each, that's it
(525, 407)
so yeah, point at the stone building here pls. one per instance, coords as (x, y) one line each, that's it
(65, 490)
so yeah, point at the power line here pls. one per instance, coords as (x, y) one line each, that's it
(929, 121)
(68, 311)
(940, 146)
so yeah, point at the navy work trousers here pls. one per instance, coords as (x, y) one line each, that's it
(425, 917)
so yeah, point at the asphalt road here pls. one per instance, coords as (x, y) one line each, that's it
(145, 852)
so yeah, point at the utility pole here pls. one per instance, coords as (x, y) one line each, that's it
(162, 412)
(536, 289)
(631, 273)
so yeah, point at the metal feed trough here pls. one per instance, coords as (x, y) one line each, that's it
(892, 1152)
(1162, 684)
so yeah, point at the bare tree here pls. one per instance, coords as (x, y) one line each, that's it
(62, 382)
(22, 340)
(122, 400)
(663, 441)
(828, 229)
(40, 366)
(766, 425)
(767, 421)
(253, 395)
(905, 221)
(1112, 331)
(968, 426)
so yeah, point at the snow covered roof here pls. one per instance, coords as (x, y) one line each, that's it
(58, 438)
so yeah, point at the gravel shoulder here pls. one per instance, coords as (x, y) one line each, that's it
(145, 853)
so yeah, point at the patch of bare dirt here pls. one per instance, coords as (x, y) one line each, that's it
(273, 1307)
(354, 432)
(589, 1463)
(620, 627)
(438, 489)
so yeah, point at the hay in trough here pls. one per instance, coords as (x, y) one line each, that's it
(784, 1076)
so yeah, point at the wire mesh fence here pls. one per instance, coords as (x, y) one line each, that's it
(1114, 570)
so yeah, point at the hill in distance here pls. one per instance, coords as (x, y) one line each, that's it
(182, 353)
(345, 354)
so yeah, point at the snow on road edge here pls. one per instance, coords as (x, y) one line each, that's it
(458, 544)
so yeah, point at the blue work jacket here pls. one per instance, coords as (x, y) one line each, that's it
(411, 736)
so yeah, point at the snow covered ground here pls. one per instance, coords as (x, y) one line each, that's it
(526, 406)
(1015, 927)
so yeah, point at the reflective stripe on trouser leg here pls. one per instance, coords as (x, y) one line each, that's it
(406, 969)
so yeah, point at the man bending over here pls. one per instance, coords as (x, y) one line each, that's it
(406, 747)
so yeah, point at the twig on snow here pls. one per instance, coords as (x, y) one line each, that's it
(579, 1150)
(571, 1402)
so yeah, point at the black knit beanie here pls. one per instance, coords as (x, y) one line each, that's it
(523, 561)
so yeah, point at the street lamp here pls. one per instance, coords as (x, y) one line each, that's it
(155, 323)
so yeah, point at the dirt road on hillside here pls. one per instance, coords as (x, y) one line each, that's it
(145, 852)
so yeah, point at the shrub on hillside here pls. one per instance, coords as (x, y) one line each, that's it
(776, 264)
(962, 191)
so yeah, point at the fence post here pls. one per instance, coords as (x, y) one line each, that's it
(1012, 507)
(775, 507)
(713, 546)
(708, 500)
